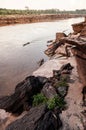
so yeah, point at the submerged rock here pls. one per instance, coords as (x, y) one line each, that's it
(25, 44)
(40, 62)
(49, 41)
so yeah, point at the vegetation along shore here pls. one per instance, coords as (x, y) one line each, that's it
(9, 16)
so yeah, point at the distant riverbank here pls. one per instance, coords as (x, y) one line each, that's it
(22, 19)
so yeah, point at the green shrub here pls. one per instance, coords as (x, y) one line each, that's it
(56, 101)
(62, 83)
(39, 99)
(51, 103)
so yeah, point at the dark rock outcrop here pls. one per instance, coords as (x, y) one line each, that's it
(65, 69)
(38, 118)
(21, 99)
(62, 90)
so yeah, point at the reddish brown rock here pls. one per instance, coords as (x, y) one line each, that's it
(81, 65)
(77, 28)
(83, 32)
(60, 35)
(79, 50)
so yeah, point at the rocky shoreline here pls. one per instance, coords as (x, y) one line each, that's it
(54, 96)
(22, 19)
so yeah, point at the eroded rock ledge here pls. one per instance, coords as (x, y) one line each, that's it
(75, 42)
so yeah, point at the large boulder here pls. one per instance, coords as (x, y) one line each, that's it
(49, 91)
(21, 99)
(38, 118)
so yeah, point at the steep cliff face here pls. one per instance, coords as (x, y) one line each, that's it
(83, 31)
(81, 64)
(78, 44)
(80, 51)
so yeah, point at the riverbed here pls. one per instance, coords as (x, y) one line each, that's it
(18, 61)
